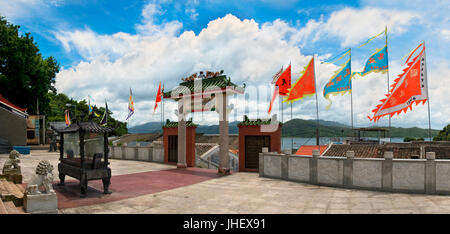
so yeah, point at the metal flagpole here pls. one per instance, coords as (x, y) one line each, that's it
(281, 102)
(351, 90)
(387, 57)
(292, 138)
(428, 97)
(317, 105)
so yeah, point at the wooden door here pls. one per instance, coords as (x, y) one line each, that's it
(173, 149)
(253, 146)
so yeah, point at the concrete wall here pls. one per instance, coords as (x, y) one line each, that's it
(152, 153)
(429, 176)
(13, 128)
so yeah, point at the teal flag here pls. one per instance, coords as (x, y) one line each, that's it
(340, 83)
(378, 62)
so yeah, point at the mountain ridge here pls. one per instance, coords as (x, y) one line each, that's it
(299, 128)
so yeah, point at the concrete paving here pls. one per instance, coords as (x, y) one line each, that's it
(118, 167)
(248, 193)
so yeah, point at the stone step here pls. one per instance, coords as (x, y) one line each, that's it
(20, 188)
(12, 209)
(11, 192)
(3, 208)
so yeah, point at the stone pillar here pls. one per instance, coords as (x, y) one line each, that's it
(386, 170)
(124, 146)
(348, 169)
(224, 165)
(313, 166)
(430, 173)
(136, 152)
(150, 154)
(181, 141)
(261, 161)
(285, 166)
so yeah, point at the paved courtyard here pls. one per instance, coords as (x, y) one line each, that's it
(247, 193)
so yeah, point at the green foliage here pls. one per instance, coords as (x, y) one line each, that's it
(443, 135)
(307, 128)
(25, 76)
(61, 102)
(409, 139)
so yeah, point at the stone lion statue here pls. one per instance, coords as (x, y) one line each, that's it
(43, 178)
(12, 166)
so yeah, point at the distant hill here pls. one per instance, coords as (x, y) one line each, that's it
(299, 128)
(146, 128)
(207, 129)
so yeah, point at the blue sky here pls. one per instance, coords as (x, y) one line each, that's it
(102, 44)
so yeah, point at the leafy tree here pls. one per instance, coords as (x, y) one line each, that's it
(61, 102)
(409, 139)
(25, 76)
(443, 135)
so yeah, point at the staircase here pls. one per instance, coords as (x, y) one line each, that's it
(10, 208)
(5, 148)
(11, 197)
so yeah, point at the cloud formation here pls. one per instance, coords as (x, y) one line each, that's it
(248, 52)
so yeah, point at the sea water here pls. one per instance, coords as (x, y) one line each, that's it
(296, 142)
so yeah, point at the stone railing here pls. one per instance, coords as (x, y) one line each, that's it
(149, 153)
(428, 175)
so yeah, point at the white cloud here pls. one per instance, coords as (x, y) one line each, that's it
(352, 26)
(148, 25)
(247, 51)
(190, 9)
(445, 33)
(14, 9)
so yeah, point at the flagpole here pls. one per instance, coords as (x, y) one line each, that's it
(292, 138)
(162, 108)
(428, 97)
(317, 105)
(387, 57)
(281, 119)
(351, 90)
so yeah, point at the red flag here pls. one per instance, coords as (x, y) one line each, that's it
(304, 86)
(158, 97)
(282, 85)
(410, 87)
(275, 93)
(284, 82)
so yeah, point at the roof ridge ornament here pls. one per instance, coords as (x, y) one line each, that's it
(202, 75)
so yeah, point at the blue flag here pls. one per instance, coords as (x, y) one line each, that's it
(340, 83)
(378, 62)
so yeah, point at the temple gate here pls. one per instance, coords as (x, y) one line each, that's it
(208, 91)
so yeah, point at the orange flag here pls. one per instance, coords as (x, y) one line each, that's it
(410, 87)
(304, 86)
(158, 97)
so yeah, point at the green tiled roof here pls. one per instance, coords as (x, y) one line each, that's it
(257, 122)
(174, 124)
(188, 86)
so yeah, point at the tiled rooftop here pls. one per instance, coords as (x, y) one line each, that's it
(308, 149)
(361, 151)
(400, 150)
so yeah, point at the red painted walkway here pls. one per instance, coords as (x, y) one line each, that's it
(130, 185)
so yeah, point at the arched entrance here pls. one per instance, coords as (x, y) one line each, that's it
(202, 92)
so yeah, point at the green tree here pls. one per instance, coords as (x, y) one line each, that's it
(58, 104)
(443, 135)
(25, 76)
(409, 139)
